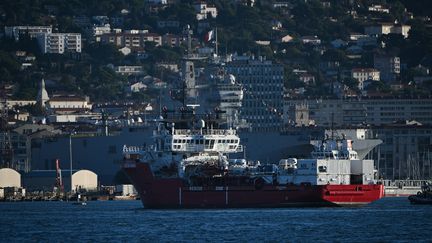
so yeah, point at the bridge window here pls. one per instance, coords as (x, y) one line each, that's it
(322, 169)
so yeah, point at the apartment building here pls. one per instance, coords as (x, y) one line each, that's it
(32, 31)
(132, 39)
(263, 98)
(203, 10)
(387, 28)
(60, 42)
(355, 112)
(363, 74)
(389, 67)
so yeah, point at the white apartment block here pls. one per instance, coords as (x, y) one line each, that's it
(32, 31)
(354, 112)
(203, 10)
(363, 74)
(60, 42)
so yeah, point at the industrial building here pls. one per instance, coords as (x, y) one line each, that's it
(10, 184)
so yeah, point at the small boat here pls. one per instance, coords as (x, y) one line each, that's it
(79, 201)
(422, 197)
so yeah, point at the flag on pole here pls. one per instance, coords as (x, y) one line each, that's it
(209, 36)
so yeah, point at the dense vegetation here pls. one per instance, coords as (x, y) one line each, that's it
(239, 27)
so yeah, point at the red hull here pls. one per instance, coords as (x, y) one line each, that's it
(172, 193)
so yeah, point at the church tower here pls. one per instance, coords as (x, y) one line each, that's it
(42, 97)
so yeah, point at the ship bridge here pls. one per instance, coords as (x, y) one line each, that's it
(212, 140)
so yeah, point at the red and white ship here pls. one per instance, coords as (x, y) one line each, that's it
(189, 167)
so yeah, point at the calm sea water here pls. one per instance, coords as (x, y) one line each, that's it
(389, 219)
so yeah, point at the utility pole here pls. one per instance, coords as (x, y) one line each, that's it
(70, 158)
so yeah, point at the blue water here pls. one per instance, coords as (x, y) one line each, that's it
(389, 219)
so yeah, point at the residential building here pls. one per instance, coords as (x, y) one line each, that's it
(99, 30)
(338, 43)
(355, 36)
(262, 42)
(276, 24)
(313, 40)
(100, 20)
(69, 104)
(153, 37)
(169, 66)
(363, 74)
(249, 3)
(32, 31)
(307, 78)
(203, 10)
(134, 39)
(286, 38)
(10, 104)
(161, 24)
(136, 87)
(352, 112)
(263, 98)
(279, 4)
(379, 8)
(326, 113)
(129, 70)
(159, 2)
(387, 28)
(60, 42)
(171, 40)
(388, 65)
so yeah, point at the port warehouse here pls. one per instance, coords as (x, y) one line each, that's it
(10, 183)
(13, 184)
(43, 179)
